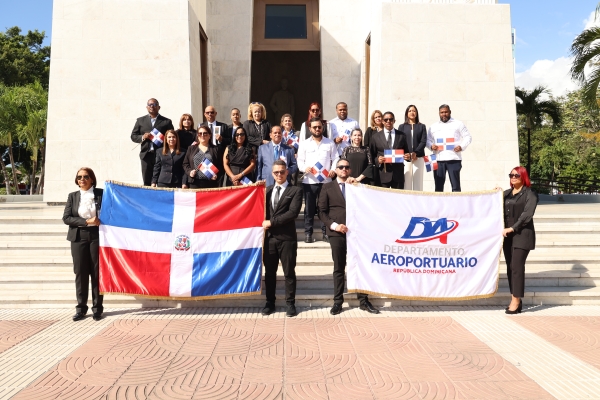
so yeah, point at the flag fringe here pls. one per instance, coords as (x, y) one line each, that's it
(260, 183)
(198, 298)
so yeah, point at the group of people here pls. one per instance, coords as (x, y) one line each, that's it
(312, 164)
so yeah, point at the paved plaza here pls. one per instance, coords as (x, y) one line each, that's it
(202, 353)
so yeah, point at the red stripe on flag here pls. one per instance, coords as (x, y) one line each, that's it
(134, 272)
(228, 209)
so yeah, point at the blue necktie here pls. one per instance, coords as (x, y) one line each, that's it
(276, 153)
(343, 187)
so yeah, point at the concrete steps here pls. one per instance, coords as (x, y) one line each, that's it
(36, 267)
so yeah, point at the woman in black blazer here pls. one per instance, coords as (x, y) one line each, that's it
(257, 127)
(195, 155)
(81, 214)
(376, 126)
(519, 206)
(416, 136)
(168, 167)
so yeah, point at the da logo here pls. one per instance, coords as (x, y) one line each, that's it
(182, 243)
(423, 230)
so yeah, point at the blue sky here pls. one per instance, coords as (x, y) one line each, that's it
(545, 30)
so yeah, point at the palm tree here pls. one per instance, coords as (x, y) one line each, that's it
(585, 51)
(12, 114)
(533, 108)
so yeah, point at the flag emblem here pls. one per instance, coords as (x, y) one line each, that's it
(319, 171)
(445, 143)
(431, 162)
(157, 137)
(393, 156)
(182, 243)
(208, 169)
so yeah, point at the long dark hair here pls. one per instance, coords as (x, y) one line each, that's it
(406, 114)
(233, 146)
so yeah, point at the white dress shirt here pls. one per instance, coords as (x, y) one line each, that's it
(283, 186)
(310, 152)
(453, 128)
(340, 127)
(87, 205)
(387, 134)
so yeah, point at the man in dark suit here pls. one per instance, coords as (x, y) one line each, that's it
(221, 137)
(332, 211)
(272, 151)
(283, 206)
(141, 134)
(391, 175)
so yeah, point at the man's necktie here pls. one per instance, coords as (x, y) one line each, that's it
(210, 126)
(276, 153)
(389, 139)
(343, 187)
(278, 189)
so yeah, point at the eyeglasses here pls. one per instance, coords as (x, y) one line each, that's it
(203, 134)
(315, 110)
(83, 177)
(153, 105)
(279, 172)
(343, 167)
(514, 176)
(388, 120)
(256, 103)
(239, 135)
(209, 112)
(317, 127)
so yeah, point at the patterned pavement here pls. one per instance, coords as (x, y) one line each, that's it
(403, 353)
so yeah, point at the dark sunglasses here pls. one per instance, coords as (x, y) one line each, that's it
(239, 135)
(343, 167)
(514, 175)
(83, 177)
(152, 105)
(279, 172)
(209, 112)
(388, 120)
(315, 110)
(203, 134)
(256, 103)
(317, 127)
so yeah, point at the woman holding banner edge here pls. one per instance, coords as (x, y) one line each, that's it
(520, 203)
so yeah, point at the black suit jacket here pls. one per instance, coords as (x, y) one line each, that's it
(519, 216)
(283, 218)
(143, 125)
(395, 172)
(332, 206)
(188, 161)
(419, 139)
(71, 214)
(168, 168)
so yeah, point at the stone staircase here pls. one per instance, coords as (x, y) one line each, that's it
(36, 269)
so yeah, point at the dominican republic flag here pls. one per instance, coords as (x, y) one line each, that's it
(246, 181)
(170, 243)
(445, 143)
(393, 156)
(157, 137)
(292, 140)
(208, 169)
(430, 162)
(320, 172)
(345, 135)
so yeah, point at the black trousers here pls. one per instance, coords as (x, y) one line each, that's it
(515, 267)
(168, 185)
(85, 265)
(393, 184)
(286, 251)
(203, 184)
(338, 253)
(453, 167)
(311, 199)
(148, 168)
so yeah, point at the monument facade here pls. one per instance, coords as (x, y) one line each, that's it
(109, 57)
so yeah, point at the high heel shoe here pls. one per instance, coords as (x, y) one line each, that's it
(517, 311)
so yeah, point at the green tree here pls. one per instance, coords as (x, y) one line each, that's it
(23, 59)
(12, 115)
(533, 109)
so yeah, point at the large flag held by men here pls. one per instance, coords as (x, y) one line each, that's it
(423, 246)
(172, 243)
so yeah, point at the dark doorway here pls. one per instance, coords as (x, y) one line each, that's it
(301, 70)
(204, 68)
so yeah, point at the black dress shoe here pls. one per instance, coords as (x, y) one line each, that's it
(78, 316)
(291, 310)
(517, 311)
(326, 238)
(368, 307)
(97, 316)
(336, 309)
(269, 309)
(308, 239)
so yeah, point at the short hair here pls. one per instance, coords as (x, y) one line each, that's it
(89, 172)
(406, 114)
(390, 113)
(276, 126)
(166, 145)
(341, 102)
(152, 98)
(257, 104)
(284, 116)
(373, 126)
(181, 120)
(444, 106)
(524, 176)
(235, 109)
(281, 163)
(315, 119)
(340, 160)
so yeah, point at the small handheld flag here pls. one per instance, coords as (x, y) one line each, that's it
(345, 136)
(431, 162)
(208, 169)
(445, 143)
(246, 181)
(292, 140)
(157, 137)
(320, 172)
(393, 156)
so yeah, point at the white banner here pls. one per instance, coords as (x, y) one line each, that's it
(423, 246)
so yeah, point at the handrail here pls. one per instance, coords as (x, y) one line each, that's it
(565, 185)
